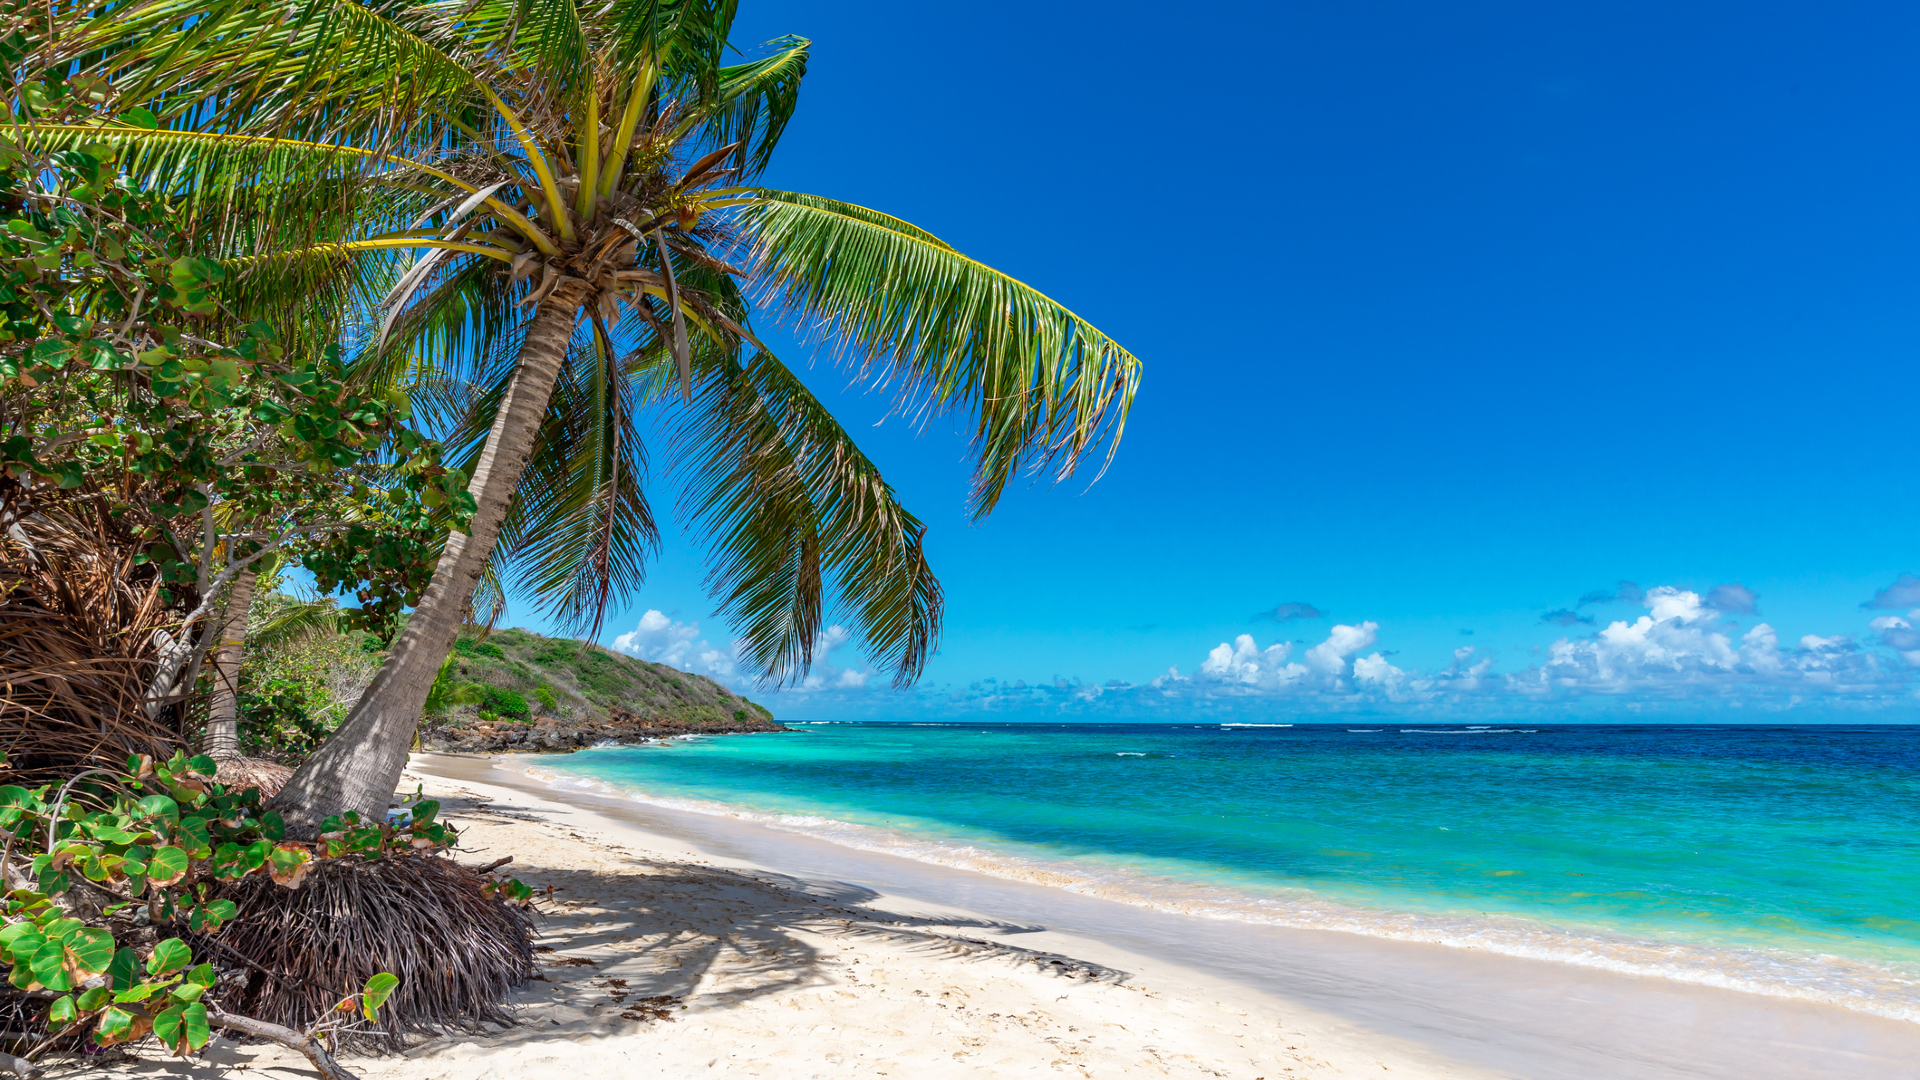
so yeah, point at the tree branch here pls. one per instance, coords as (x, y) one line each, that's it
(322, 1061)
(20, 1067)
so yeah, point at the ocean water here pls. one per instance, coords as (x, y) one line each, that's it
(1775, 860)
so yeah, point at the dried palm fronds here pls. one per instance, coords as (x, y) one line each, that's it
(423, 917)
(78, 641)
(246, 772)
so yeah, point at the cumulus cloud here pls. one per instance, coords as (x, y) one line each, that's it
(1899, 635)
(1290, 611)
(1625, 592)
(1563, 617)
(663, 640)
(1678, 651)
(1671, 652)
(825, 675)
(1330, 656)
(1733, 598)
(1903, 593)
(1247, 663)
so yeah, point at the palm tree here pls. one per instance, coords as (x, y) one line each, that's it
(548, 214)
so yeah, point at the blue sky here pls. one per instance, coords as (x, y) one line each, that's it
(1451, 315)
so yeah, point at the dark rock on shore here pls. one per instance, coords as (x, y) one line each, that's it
(546, 734)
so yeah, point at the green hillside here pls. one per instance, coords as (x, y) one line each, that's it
(571, 680)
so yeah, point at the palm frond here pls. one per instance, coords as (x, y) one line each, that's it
(1043, 384)
(754, 101)
(581, 530)
(792, 509)
(308, 617)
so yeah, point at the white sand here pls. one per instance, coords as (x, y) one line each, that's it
(750, 975)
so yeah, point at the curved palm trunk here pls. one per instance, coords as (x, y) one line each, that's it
(359, 766)
(223, 707)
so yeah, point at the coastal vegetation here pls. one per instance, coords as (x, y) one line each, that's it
(398, 298)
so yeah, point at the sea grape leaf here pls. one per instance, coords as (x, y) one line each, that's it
(116, 1025)
(183, 1027)
(167, 865)
(125, 969)
(90, 952)
(27, 941)
(61, 1013)
(290, 863)
(170, 955)
(49, 967)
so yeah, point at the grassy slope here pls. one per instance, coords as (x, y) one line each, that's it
(588, 682)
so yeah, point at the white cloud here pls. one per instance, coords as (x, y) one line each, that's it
(1248, 664)
(824, 675)
(1375, 669)
(1673, 653)
(662, 640)
(1898, 634)
(1330, 656)
(1680, 653)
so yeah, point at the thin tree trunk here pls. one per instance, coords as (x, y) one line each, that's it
(223, 708)
(359, 766)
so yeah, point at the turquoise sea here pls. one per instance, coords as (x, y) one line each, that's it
(1778, 860)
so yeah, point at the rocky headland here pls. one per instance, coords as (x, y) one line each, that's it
(523, 692)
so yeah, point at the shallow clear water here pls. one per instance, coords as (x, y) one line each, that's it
(1781, 860)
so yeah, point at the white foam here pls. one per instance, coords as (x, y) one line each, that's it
(1843, 981)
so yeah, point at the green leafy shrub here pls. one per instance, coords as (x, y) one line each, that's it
(471, 647)
(547, 700)
(276, 718)
(556, 652)
(600, 673)
(504, 702)
(155, 840)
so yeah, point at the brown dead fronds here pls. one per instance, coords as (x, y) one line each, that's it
(421, 917)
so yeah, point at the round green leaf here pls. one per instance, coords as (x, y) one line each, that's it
(170, 955)
(90, 952)
(49, 967)
(168, 865)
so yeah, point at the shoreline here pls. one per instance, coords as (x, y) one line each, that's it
(1299, 1040)
(1821, 978)
(1522, 1017)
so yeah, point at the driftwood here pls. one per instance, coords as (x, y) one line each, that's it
(323, 1062)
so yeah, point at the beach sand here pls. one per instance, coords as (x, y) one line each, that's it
(691, 946)
(665, 963)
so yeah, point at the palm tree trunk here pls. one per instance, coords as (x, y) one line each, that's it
(359, 766)
(223, 708)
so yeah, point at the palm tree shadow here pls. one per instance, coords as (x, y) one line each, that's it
(641, 946)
